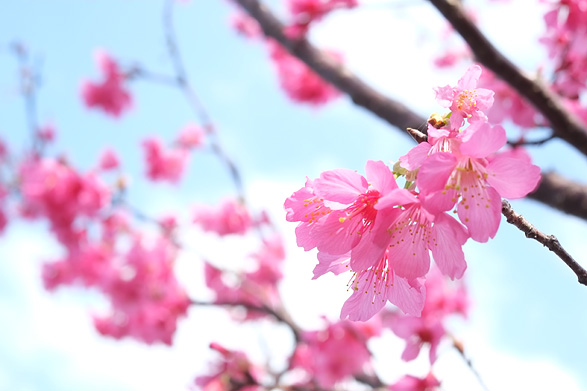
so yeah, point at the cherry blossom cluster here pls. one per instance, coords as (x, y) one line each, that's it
(306, 12)
(110, 94)
(565, 39)
(384, 234)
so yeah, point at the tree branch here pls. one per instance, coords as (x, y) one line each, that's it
(548, 241)
(565, 124)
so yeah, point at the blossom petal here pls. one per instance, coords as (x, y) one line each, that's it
(415, 156)
(335, 233)
(435, 171)
(482, 141)
(397, 197)
(407, 297)
(480, 211)
(341, 185)
(331, 263)
(447, 250)
(469, 80)
(380, 176)
(365, 301)
(512, 177)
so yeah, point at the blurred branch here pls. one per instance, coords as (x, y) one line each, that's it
(562, 194)
(183, 83)
(553, 191)
(29, 82)
(565, 124)
(514, 218)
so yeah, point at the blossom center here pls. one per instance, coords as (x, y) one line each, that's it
(466, 100)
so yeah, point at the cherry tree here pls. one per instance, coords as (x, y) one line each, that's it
(209, 230)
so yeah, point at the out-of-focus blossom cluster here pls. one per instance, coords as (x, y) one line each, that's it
(109, 94)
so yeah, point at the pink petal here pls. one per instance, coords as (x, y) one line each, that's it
(340, 185)
(444, 95)
(331, 263)
(397, 197)
(512, 177)
(380, 176)
(447, 250)
(366, 253)
(409, 260)
(410, 299)
(303, 237)
(363, 303)
(435, 171)
(336, 236)
(470, 78)
(438, 202)
(481, 213)
(482, 141)
(415, 156)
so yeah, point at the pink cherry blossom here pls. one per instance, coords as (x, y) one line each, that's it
(465, 101)
(108, 160)
(336, 352)
(234, 370)
(300, 83)
(164, 164)
(146, 297)
(46, 133)
(54, 190)
(230, 217)
(465, 173)
(245, 25)
(410, 235)
(191, 136)
(109, 95)
(336, 209)
(508, 104)
(304, 12)
(566, 39)
(442, 300)
(412, 383)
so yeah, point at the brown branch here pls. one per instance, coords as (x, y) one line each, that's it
(548, 241)
(565, 125)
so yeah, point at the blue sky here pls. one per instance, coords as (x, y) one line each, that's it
(526, 329)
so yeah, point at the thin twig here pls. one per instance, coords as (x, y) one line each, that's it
(459, 348)
(523, 142)
(548, 241)
(182, 81)
(29, 80)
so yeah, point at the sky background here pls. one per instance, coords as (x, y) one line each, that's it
(527, 326)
